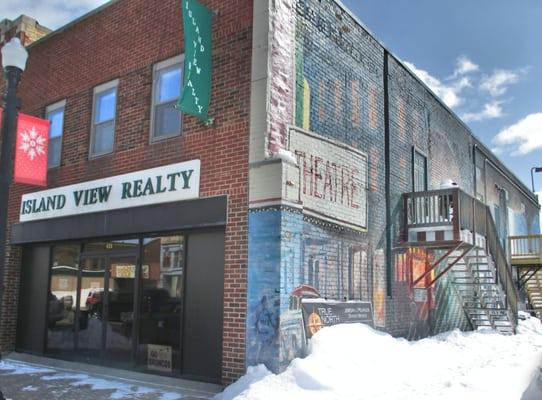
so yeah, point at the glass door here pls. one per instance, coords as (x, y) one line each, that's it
(105, 308)
(119, 319)
(91, 307)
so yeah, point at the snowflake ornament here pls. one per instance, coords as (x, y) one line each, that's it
(32, 143)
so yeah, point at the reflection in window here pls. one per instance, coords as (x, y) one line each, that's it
(111, 245)
(61, 299)
(161, 303)
(168, 78)
(55, 114)
(103, 125)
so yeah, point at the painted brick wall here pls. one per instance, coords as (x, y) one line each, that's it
(123, 41)
(339, 95)
(418, 121)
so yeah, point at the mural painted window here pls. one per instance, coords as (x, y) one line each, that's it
(55, 114)
(358, 275)
(419, 171)
(480, 184)
(167, 82)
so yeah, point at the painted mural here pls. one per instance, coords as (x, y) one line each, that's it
(263, 288)
(316, 259)
(325, 237)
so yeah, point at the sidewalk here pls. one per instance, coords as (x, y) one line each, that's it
(26, 377)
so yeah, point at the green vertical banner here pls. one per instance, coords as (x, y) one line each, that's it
(196, 92)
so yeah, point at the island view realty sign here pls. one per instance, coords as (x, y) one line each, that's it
(152, 186)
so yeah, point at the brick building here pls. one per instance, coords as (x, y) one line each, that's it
(25, 28)
(321, 170)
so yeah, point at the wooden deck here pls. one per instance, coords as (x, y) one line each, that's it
(526, 251)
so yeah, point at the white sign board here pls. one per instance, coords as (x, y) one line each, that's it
(164, 184)
(159, 358)
(329, 181)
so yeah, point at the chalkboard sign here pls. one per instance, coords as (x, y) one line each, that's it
(318, 313)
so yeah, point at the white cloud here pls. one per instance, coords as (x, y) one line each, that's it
(449, 93)
(490, 111)
(51, 13)
(498, 82)
(523, 137)
(466, 76)
(464, 66)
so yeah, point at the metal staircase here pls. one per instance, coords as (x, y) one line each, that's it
(482, 297)
(461, 230)
(533, 287)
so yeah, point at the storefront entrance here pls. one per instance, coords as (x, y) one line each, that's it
(139, 288)
(105, 309)
(123, 303)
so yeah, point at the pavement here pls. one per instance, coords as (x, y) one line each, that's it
(26, 377)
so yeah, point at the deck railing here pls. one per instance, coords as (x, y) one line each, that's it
(460, 211)
(430, 209)
(528, 246)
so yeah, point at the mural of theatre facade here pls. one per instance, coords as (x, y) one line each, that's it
(317, 223)
(313, 245)
(325, 238)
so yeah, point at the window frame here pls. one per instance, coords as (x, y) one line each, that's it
(48, 110)
(416, 151)
(105, 87)
(156, 69)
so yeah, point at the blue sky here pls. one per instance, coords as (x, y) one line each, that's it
(482, 57)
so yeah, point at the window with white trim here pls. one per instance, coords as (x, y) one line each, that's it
(102, 139)
(419, 171)
(55, 114)
(166, 120)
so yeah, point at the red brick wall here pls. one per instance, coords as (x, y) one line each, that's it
(124, 41)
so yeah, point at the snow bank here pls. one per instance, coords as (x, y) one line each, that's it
(356, 362)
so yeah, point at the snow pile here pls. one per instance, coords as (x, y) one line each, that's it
(356, 362)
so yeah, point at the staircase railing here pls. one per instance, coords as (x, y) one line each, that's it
(526, 251)
(431, 209)
(460, 211)
(504, 272)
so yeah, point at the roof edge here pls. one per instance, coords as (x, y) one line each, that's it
(72, 23)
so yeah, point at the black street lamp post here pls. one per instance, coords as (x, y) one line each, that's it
(533, 170)
(14, 58)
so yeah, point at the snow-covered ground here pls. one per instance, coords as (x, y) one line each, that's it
(25, 381)
(355, 362)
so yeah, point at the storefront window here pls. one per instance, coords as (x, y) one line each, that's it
(111, 245)
(62, 297)
(161, 303)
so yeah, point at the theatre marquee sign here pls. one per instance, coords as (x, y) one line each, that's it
(152, 186)
(329, 180)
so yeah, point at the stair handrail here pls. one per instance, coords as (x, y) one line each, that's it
(504, 274)
(461, 211)
(476, 217)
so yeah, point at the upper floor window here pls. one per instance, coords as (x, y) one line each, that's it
(55, 114)
(419, 171)
(102, 139)
(166, 120)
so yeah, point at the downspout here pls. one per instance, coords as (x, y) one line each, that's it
(389, 238)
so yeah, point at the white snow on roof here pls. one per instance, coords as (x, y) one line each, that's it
(356, 362)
